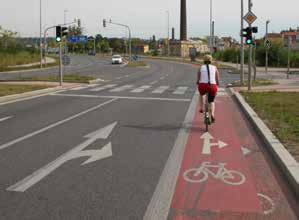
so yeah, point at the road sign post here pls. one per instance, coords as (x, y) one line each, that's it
(60, 65)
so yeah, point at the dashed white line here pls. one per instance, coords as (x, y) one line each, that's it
(154, 82)
(6, 118)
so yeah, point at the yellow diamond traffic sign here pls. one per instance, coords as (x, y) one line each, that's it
(250, 17)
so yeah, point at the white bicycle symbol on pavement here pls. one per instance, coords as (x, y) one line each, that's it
(201, 174)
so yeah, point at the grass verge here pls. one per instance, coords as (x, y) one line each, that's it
(137, 64)
(76, 78)
(294, 72)
(257, 82)
(9, 89)
(279, 111)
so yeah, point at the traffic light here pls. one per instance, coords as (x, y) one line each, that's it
(247, 33)
(58, 33)
(104, 22)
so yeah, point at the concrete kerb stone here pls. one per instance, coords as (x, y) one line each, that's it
(288, 165)
(28, 95)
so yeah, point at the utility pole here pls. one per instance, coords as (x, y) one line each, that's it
(40, 34)
(266, 39)
(242, 45)
(250, 53)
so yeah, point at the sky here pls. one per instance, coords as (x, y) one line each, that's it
(146, 17)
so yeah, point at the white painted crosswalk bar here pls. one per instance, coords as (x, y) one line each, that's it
(109, 86)
(180, 90)
(122, 88)
(78, 88)
(160, 89)
(140, 89)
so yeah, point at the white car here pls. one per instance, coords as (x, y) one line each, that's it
(117, 59)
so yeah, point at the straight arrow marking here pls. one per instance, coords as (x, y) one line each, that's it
(76, 152)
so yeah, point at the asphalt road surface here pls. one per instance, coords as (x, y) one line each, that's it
(99, 151)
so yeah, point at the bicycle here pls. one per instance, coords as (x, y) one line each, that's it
(201, 174)
(207, 117)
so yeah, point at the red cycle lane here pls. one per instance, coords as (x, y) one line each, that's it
(225, 174)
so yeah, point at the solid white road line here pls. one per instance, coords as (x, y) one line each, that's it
(160, 89)
(180, 90)
(159, 205)
(6, 118)
(122, 97)
(109, 86)
(122, 88)
(140, 89)
(78, 88)
(8, 144)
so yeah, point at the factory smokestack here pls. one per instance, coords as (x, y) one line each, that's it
(183, 36)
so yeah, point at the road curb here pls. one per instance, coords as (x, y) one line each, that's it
(288, 165)
(29, 95)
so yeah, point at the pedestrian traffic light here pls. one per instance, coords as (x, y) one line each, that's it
(58, 33)
(104, 22)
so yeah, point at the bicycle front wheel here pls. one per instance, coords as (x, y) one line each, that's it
(194, 176)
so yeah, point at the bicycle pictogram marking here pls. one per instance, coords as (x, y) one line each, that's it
(201, 174)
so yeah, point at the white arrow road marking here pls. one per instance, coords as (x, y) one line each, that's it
(76, 152)
(6, 118)
(207, 143)
(245, 151)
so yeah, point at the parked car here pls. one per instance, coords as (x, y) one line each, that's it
(117, 59)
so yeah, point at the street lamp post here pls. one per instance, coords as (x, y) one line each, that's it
(211, 27)
(40, 34)
(168, 48)
(266, 39)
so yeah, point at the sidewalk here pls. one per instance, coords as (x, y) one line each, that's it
(228, 174)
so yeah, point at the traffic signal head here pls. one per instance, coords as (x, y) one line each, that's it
(104, 22)
(247, 33)
(64, 31)
(58, 33)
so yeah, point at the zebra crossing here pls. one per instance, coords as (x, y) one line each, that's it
(114, 88)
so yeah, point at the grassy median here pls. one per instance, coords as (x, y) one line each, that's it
(257, 82)
(75, 78)
(10, 89)
(280, 111)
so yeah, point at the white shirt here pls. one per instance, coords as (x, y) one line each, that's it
(204, 78)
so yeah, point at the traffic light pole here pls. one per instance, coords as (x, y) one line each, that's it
(242, 44)
(250, 53)
(60, 64)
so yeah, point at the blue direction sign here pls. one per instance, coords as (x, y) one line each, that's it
(82, 38)
(73, 39)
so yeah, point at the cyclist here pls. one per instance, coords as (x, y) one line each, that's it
(207, 81)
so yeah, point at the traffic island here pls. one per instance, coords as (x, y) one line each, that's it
(137, 64)
(257, 82)
(276, 111)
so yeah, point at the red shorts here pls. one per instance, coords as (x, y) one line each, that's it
(204, 88)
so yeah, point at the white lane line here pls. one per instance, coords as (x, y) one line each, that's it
(152, 83)
(122, 97)
(160, 89)
(109, 86)
(6, 118)
(141, 89)
(127, 75)
(8, 144)
(122, 88)
(162, 77)
(118, 77)
(158, 207)
(180, 90)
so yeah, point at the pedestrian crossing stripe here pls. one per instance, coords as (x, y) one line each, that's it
(181, 90)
